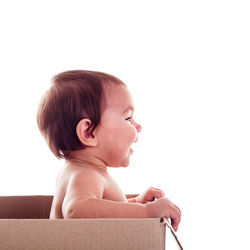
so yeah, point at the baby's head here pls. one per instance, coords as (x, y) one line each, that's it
(77, 99)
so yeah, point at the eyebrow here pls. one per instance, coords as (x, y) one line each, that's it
(128, 109)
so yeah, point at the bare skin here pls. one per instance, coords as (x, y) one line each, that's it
(81, 180)
(84, 188)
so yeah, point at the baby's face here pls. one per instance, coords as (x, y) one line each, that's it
(117, 130)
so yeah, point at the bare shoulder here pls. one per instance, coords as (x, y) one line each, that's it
(84, 182)
(76, 183)
(81, 174)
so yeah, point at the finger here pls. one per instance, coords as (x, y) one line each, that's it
(175, 217)
(175, 222)
(154, 195)
(150, 194)
(159, 194)
(177, 208)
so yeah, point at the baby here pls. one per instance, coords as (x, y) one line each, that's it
(87, 119)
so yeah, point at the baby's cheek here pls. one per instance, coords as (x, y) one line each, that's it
(133, 135)
(127, 139)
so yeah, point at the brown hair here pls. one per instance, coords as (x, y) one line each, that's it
(73, 95)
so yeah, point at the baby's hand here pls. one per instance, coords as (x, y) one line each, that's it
(150, 195)
(165, 208)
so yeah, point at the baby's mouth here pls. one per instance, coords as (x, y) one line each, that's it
(131, 149)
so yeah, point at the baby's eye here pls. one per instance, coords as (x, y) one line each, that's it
(129, 118)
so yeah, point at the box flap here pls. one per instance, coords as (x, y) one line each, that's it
(25, 207)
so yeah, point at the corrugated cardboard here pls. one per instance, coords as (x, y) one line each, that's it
(24, 224)
(25, 207)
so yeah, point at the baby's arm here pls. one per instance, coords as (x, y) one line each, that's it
(84, 200)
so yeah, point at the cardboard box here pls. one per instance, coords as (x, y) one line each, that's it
(24, 224)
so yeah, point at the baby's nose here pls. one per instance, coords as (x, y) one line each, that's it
(138, 127)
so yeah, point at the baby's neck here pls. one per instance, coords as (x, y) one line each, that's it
(86, 160)
(86, 163)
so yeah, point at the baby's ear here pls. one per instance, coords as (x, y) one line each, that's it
(84, 135)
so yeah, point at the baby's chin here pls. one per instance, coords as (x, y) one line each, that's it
(124, 163)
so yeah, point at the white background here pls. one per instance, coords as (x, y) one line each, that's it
(187, 66)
